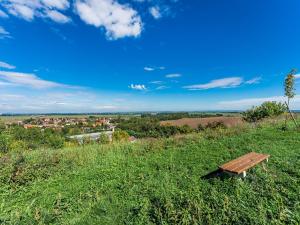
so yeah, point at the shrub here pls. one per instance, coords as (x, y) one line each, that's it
(215, 125)
(120, 135)
(104, 139)
(55, 141)
(5, 141)
(267, 109)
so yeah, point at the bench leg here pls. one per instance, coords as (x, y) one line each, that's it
(267, 159)
(244, 174)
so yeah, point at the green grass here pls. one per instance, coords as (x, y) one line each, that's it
(155, 182)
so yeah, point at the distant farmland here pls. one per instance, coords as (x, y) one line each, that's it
(195, 122)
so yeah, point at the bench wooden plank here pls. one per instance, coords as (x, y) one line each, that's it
(236, 161)
(243, 163)
(248, 160)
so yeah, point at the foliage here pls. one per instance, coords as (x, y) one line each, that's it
(155, 182)
(267, 109)
(55, 141)
(2, 126)
(179, 115)
(103, 139)
(150, 127)
(289, 83)
(120, 135)
(5, 141)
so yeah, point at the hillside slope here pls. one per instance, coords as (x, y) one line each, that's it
(155, 182)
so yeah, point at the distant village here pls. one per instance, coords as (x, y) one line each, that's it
(59, 123)
(74, 128)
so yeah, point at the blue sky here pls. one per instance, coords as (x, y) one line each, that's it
(145, 55)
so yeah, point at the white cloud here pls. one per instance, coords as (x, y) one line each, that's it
(174, 75)
(4, 33)
(22, 11)
(64, 101)
(140, 87)
(58, 4)
(27, 80)
(220, 83)
(58, 17)
(155, 12)
(156, 82)
(162, 87)
(254, 80)
(29, 9)
(148, 68)
(249, 102)
(6, 65)
(297, 76)
(3, 14)
(119, 20)
(112, 107)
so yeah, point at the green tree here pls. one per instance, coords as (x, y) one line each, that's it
(289, 85)
(289, 91)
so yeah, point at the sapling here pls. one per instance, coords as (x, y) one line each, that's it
(289, 92)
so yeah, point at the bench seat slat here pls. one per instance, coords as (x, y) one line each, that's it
(236, 162)
(250, 160)
(244, 162)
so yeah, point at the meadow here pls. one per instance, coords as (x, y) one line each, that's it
(228, 121)
(156, 181)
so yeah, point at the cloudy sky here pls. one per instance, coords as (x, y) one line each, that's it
(145, 55)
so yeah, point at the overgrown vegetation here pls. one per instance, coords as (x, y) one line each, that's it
(265, 110)
(155, 182)
(150, 127)
(17, 138)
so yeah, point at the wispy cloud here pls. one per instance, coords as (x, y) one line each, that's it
(3, 14)
(150, 68)
(30, 9)
(4, 33)
(155, 12)
(6, 65)
(156, 82)
(140, 87)
(255, 80)
(297, 76)
(27, 80)
(58, 17)
(47, 101)
(249, 102)
(162, 87)
(173, 75)
(219, 83)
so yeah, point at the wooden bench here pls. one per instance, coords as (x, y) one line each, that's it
(240, 165)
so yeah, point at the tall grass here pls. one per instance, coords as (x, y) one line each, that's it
(155, 182)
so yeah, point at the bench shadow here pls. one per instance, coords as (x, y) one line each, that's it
(215, 174)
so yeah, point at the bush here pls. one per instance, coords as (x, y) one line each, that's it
(216, 125)
(104, 139)
(55, 141)
(267, 109)
(5, 141)
(120, 135)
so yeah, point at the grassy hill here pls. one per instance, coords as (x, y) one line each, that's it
(155, 182)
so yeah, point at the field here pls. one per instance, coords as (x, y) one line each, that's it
(195, 122)
(156, 182)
